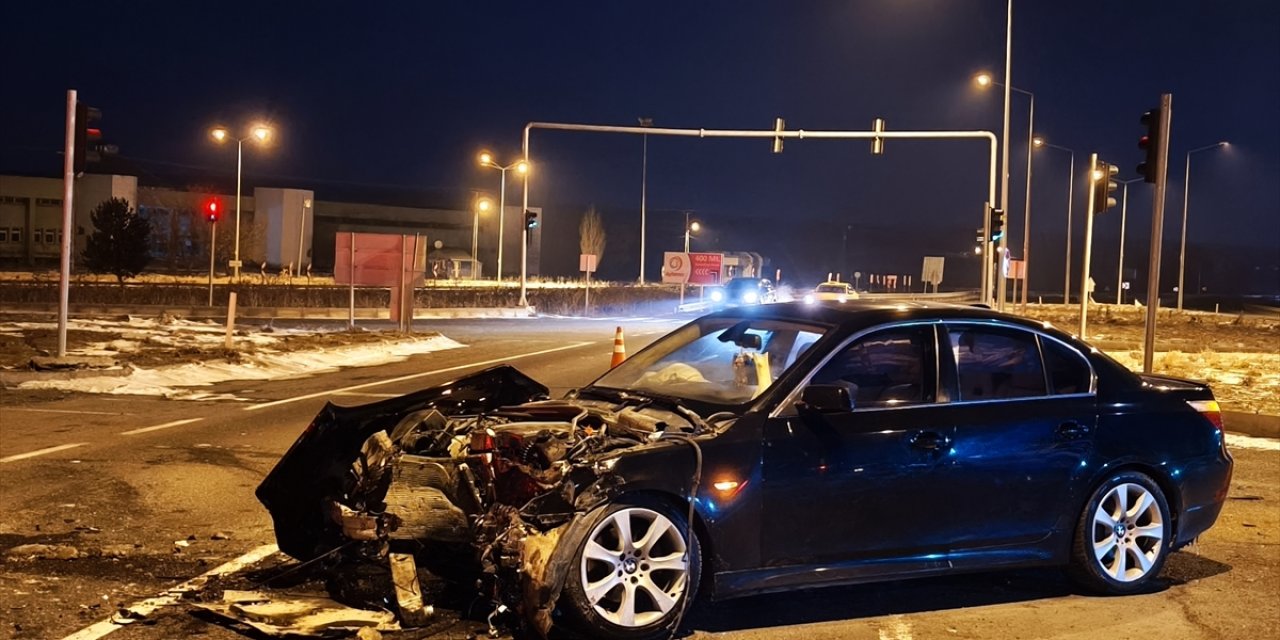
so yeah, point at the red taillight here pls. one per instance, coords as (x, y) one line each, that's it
(1210, 410)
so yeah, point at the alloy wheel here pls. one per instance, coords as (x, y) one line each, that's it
(1128, 532)
(634, 567)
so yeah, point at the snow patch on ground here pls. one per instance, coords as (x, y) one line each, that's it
(174, 382)
(1236, 441)
(1241, 381)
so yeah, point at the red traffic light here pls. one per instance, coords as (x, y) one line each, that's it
(211, 210)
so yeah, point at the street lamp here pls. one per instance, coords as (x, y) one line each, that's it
(483, 205)
(985, 80)
(689, 226)
(260, 133)
(522, 168)
(1071, 183)
(1186, 193)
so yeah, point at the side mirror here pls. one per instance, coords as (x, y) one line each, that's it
(825, 398)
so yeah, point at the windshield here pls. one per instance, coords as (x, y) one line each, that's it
(832, 288)
(716, 360)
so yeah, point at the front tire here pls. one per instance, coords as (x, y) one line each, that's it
(1123, 537)
(635, 573)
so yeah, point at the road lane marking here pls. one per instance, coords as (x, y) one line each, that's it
(140, 610)
(412, 376)
(365, 394)
(40, 452)
(83, 413)
(175, 423)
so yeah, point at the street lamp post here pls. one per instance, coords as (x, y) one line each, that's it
(482, 205)
(302, 230)
(1071, 184)
(689, 226)
(985, 80)
(644, 187)
(522, 168)
(1186, 193)
(261, 133)
(1124, 208)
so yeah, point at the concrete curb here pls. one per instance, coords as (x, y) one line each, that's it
(1252, 424)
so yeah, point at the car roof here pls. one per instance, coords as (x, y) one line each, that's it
(857, 314)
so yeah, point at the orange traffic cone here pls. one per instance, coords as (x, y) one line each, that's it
(619, 350)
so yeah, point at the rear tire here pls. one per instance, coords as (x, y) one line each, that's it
(1123, 536)
(635, 573)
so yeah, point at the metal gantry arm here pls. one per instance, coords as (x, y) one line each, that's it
(797, 134)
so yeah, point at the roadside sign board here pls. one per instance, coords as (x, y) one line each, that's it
(704, 268)
(679, 267)
(1017, 269)
(379, 259)
(587, 262)
(675, 267)
(932, 271)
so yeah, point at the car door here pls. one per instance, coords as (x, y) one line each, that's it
(856, 484)
(1023, 433)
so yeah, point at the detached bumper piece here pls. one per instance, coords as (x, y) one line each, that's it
(284, 616)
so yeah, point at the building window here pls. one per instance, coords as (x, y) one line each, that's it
(4, 235)
(48, 202)
(49, 236)
(15, 234)
(11, 200)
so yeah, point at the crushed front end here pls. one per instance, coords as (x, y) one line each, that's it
(475, 481)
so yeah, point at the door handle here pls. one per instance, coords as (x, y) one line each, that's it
(930, 441)
(1072, 429)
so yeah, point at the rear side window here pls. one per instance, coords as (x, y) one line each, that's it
(888, 368)
(1068, 372)
(993, 363)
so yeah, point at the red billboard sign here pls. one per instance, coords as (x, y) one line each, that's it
(379, 259)
(704, 268)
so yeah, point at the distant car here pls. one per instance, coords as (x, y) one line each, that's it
(831, 291)
(763, 449)
(740, 291)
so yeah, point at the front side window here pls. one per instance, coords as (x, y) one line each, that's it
(888, 368)
(994, 363)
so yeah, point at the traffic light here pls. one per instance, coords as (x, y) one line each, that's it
(997, 224)
(87, 136)
(212, 210)
(1151, 167)
(530, 220)
(88, 148)
(1104, 186)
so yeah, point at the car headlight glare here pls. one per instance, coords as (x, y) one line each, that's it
(717, 296)
(750, 296)
(809, 299)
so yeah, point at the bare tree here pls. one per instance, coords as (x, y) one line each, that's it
(591, 237)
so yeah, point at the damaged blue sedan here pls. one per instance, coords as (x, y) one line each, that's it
(763, 449)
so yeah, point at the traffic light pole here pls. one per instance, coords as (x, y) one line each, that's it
(1157, 231)
(797, 134)
(68, 221)
(213, 251)
(1088, 244)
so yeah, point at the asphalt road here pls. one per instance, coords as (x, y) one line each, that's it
(151, 492)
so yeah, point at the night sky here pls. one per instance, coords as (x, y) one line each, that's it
(405, 94)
